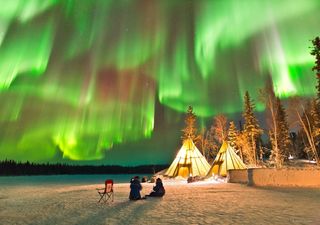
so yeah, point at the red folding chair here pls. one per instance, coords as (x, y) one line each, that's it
(106, 193)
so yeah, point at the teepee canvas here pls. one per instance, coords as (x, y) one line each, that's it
(226, 159)
(188, 162)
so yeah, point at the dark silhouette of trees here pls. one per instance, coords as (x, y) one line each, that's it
(10, 167)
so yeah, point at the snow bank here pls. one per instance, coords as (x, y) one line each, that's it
(287, 177)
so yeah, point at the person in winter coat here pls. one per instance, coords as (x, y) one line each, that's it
(158, 190)
(135, 188)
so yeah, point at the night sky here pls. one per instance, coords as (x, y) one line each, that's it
(109, 81)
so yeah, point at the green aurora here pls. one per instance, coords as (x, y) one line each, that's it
(85, 81)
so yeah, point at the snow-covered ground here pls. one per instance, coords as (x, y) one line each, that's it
(208, 202)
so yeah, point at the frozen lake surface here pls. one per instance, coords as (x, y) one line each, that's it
(73, 200)
(66, 179)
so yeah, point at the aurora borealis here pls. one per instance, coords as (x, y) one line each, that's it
(86, 80)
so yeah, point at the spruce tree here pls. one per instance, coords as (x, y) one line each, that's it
(315, 106)
(316, 53)
(232, 135)
(282, 152)
(190, 125)
(252, 129)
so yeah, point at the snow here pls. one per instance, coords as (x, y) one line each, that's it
(206, 202)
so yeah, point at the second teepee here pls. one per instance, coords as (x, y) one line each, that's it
(225, 160)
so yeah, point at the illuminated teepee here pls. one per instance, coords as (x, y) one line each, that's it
(226, 159)
(189, 162)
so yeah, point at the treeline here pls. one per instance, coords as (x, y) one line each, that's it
(12, 168)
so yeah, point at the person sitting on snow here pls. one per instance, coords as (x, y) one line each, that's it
(135, 188)
(158, 190)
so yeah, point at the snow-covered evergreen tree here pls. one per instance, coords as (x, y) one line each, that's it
(315, 106)
(316, 53)
(281, 149)
(190, 129)
(233, 133)
(251, 129)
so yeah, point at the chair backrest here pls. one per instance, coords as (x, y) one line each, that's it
(109, 185)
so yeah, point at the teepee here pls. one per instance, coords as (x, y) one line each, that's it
(226, 159)
(188, 162)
